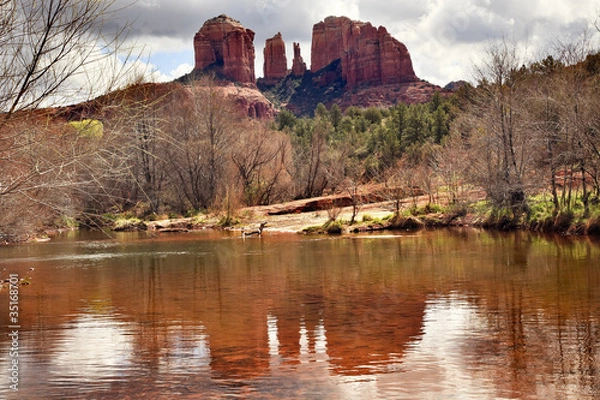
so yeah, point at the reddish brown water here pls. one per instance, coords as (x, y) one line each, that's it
(437, 314)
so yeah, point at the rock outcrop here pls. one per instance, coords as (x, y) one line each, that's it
(385, 96)
(223, 44)
(275, 64)
(248, 100)
(353, 63)
(298, 64)
(369, 55)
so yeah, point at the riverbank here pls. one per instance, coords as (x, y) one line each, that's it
(333, 215)
(338, 214)
(327, 214)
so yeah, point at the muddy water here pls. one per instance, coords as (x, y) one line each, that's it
(461, 314)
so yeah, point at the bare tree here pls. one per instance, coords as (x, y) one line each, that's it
(49, 47)
(356, 199)
(260, 156)
(500, 129)
(50, 54)
(203, 130)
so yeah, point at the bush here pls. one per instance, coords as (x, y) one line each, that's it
(333, 227)
(502, 219)
(563, 221)
(128, 224)
(426, 209)
(593, 226)
(91, 128)
(228, 221)
(406, 222)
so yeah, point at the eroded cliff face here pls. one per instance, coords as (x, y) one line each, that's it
(225, 45)
(369, 55)
(298, 64)
(275, 64)
(352, 63)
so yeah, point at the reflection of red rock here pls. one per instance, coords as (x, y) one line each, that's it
(275, 65)
(369, 55)
(226, 45)
(363, 338)
(298, 65)
(359, 337)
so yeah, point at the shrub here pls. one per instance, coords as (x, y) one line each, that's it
(593, 226)
(91, 128)
(227, 221)
(333, 227)
(406, 222)
(563, 221)
(502, 219)
(367, 218)
(128, 224)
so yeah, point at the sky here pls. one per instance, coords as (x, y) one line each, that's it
(446, 39)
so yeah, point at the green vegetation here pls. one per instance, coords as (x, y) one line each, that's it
(364, 145)
(91, 128)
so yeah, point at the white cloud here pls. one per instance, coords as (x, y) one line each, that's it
(443, 37)
(182, 70)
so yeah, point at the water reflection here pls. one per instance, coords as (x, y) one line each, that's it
(443, 314)
(103, 351)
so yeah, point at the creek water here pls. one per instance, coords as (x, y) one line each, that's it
(464, 314)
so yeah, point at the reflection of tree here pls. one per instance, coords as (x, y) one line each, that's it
(541, 326)
(517, 341)
(152, 334)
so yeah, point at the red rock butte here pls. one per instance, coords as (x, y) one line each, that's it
(275, 65)
(298, 64)
(353, 64)
(225, 45)
(368, 55)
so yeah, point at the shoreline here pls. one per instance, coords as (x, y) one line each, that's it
(315, 216)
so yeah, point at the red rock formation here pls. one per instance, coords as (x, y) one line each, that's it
(275, 65)
(249, 100)
(223, 43)
(369, 55)
(385, 96)
(327, 41)
(298, 65)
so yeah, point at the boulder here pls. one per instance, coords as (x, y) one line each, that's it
(275, 64)
(224, 45)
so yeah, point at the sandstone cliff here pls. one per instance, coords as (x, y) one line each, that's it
(298, 64)
(275, 64)
(225, 46)
(369, 55)
(353, 63)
